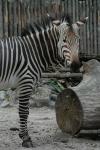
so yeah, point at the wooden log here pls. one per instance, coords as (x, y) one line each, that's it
(69, 112)
(79, 107)
(61, 75)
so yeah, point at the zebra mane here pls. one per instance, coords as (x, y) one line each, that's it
(31, 28)
(67, 18)
(46, 22)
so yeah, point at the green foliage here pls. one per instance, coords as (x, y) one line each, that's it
(56, 85)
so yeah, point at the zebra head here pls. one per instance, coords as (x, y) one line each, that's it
(68, 44)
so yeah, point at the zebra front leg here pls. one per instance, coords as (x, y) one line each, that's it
(24, 96)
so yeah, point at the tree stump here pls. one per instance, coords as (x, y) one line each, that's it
(79, 107)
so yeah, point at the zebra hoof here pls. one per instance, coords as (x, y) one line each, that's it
(27, 143)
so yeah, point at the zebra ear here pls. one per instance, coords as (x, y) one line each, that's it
(56, 22)
(82, 21)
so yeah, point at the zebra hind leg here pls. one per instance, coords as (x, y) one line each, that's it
(27, 143)
(25, 91)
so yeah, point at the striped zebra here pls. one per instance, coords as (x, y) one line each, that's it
(24, 58)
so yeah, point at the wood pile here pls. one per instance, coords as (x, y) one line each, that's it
(79, 107)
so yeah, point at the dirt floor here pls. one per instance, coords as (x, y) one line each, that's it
(44, 132)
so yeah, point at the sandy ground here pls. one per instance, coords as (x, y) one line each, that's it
(44, 132)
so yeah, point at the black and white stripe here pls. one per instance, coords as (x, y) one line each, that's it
(24, 58)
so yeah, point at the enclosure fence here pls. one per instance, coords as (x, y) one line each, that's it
(15, 14)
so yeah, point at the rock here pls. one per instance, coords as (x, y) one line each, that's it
(2, 97)
(5, 103)
(40, 97)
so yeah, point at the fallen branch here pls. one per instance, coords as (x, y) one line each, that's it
(61, 75)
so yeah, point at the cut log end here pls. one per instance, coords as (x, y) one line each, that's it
(69, 113)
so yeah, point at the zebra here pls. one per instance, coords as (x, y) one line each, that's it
(23, 59)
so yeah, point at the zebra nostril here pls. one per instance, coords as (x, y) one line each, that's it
(64, 40)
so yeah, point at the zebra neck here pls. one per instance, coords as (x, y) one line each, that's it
(44, 47)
